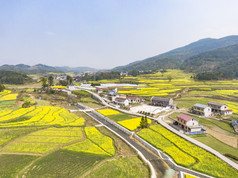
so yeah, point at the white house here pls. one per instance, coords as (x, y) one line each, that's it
(99, 90)
(188, 123)
(122, 101)
(71, 87)
(220, 108)
(133, 99)
(202, 109)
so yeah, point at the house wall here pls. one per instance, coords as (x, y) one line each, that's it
(207, 111)
(224, 107)
(196, 129)
(171, 102)
(192, 123)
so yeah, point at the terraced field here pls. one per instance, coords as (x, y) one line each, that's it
(7, 98)
(49, 141)
(10, 165)
(44, 141)
(40, 116)
(123, 167)
(159, 85)
(185, 153)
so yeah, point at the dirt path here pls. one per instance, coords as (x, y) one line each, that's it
(94, 168)
(229, 140)
(46, 154)
(24, 169)
(16, 153)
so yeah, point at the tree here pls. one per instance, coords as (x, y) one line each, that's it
(69, 80)
(63, 82)
(44, 82)
(2, 87)
(169, 77)
(50, 80)
(26, 104)
(143, 122)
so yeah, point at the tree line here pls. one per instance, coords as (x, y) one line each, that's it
(49, 81)
(10, 77)
(2, 87)
(213, 76)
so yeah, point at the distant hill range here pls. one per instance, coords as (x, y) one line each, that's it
(40, 68)
(201, 56)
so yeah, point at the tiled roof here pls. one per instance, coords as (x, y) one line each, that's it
(228, 110)
(120, 99)
(201, 105)
(217, 104)
(184, 117)
(132, 97)
(160, 99)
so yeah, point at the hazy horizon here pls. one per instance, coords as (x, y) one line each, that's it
(107, 34)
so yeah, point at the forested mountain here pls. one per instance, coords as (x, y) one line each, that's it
(174, 58)
(224, 60)
(10, 77)
(26, 69)
(76, 69)
(40, 68)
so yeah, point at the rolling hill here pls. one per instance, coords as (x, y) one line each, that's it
(41, 68)
(176, 57)
(223, 60)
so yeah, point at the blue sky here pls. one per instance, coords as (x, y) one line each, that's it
(107, 33)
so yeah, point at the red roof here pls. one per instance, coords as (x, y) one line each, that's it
(217, 104)
(132, 97)
(120, 99)
(228, 110)
(184, 117)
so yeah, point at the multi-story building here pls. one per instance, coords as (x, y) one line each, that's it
(201, 109)
(157, 101)
(188, 123)
(220, 108)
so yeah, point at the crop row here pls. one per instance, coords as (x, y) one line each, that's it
(8, 97)
(5, 92)
(41, 116)
(99, 139)
(107, 112)
(206, 162)
(43, 141)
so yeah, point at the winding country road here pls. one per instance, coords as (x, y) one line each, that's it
(158, 165)
(160, 121)
(156, 160)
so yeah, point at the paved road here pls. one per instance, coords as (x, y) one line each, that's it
(157, 163)
(159, 120)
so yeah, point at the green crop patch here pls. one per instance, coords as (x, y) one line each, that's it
(63, 163)
(11, 165)
(122, 167)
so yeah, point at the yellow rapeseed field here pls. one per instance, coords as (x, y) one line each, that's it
(132, 124)
(43, 141)
(8, 97)
(206, 162)
(41, 116)
(86, 146)
(101, 140)
(107, 112)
